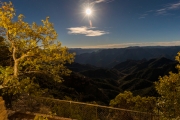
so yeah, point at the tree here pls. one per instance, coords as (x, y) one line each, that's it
(34, 49)
(126, 100)
(168, 88)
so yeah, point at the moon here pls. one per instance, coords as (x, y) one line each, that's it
(88, 11)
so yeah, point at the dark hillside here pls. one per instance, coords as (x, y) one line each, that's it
(144, 75)
(133, 75)
(126, 67)
(137, 76)
(76, 67)
(88, 90)
(132, 66)
(102, 73)
(78, 88)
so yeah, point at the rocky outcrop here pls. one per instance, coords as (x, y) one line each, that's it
(3, 111)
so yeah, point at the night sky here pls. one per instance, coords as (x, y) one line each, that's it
(115, 23)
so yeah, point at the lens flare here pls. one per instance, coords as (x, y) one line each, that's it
(88, 11)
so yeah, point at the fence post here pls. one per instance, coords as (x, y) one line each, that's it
(70, 110)
(96, 114)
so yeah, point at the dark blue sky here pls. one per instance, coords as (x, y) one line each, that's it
(115, 23)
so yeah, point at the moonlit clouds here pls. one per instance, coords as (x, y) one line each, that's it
(174, 6)
(87, 31)
(124, 45)
(100, 1)
(143, 16)
(166, 10)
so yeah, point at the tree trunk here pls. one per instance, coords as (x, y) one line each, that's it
(15, 61)
(15, 68)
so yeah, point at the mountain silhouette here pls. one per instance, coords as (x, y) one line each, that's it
(110, 57)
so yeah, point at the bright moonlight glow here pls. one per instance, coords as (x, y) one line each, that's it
(88, 11)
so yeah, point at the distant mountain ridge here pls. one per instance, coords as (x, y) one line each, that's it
(79, 51)
(110, 57)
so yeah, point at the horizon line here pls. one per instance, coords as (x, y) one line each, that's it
(120, 47)
(125, 45)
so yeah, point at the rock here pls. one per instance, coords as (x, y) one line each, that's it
(3, 111)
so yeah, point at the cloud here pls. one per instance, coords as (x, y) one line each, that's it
(143, 16)
(100, 1)
(87, 31)
(165, 10)
(123, 45)
(174, 6)
(161, 11)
